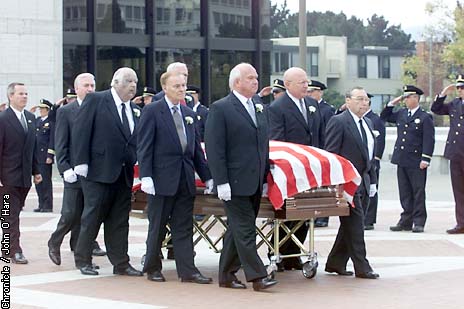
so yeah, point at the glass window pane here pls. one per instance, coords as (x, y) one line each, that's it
(75, 15)
(265, 19)
(115, 17)
(74, 62)
(235, 21)
(180, 17)
(221, 64)
(109, 59)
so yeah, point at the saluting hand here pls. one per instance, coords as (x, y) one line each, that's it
(395, 101)
(448, 90)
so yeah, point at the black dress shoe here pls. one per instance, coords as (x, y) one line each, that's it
(456, 230)
(98, 252)
(236, 284)
(368, 275)
(170, 254)
(369, 227)
(263, 283)
(37, 210)
(340, 272)
(418, 229)
(88, 270)
(156, 276)
(54, 254)
(19, 258)
(197, 278)
(46, 210)
(127, 271)
(399, 227)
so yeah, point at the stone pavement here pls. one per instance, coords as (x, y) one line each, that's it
(416, 270)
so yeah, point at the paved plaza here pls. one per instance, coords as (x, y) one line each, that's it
(416, 270)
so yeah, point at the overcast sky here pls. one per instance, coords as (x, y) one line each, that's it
(409, 13)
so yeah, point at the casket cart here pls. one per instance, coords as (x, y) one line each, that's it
(304, 183)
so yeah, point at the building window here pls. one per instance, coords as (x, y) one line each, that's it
(362, 66)
(314, 64)
(384, 66)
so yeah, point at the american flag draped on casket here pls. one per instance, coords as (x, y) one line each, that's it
(297, 168)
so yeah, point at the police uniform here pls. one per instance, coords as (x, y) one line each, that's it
(414, 144)
(199, 109)
(454, 150)
(147, 92)
(45, 132)
(278, 86)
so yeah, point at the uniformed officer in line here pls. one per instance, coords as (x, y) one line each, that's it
(198, 108)
(316, 91)
(278, 88)
(45, 153)
(454, 149)
(412, 154)
(146, 97)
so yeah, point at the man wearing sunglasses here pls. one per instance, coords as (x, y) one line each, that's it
(454, 149)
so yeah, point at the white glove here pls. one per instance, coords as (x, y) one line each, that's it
(70, 176)
(372, 190)
(81, 170)
(209, 186)
(224, 192)
(265, 187)
(1, 185)
(148, 186)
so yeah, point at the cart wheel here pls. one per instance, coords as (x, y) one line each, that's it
(309, 270)
(142, 260)
(272, 275)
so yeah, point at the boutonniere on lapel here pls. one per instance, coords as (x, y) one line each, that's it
(136, 112)
(259, 108)
(311, 109)
(189, 120)
(376, 133)
(199, 117)
(417, 120)
(46, 125)
(29, 121)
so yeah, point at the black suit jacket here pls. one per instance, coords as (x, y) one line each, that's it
(327, 111)
(160, 153)
(18, 161)
(45, 138)
(343, 138)
(99, 139)
(237, 150)
(287, 123)
(379, 126)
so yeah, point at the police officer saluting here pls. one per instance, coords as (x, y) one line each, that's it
(454, 149)
(413, 152)
(45, 153)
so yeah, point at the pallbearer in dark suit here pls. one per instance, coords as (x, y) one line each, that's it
(412, 154)
(45, 153)
(73, 197)
(237, 148)
(454, 149)
(350, 135)
(370, 216)
(316, 91)
(105, 139)
(294, 117)
(18, 164)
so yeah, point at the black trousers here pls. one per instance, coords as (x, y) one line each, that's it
(411, 185)
(109, 204)
(239, 248)
(349, 243)
(457, 182)
(45, 188)
(12, 202)
(178, 211)
(371, 211)
(70, 220)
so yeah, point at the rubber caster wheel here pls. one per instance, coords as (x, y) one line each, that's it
(309, 270)
(142, 260)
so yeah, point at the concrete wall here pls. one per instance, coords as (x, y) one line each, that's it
(31, 50)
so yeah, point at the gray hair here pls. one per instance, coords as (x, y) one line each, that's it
(173, 66)
(233, 76)
(349, 93)
(118, 77)
(81, 76)
(10, 90)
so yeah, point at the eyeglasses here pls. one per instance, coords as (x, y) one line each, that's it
(365, 99)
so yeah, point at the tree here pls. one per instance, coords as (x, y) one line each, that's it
(279, 16)
(334, 98)
(453, 54)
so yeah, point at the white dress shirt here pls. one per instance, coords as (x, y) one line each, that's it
(171, 105)
(128, 109)
(297, 103)
(370, 138)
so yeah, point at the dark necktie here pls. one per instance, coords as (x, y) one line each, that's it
(179, 127)
(409, 114)
(125, 121)
(23, 123)
(363, 133)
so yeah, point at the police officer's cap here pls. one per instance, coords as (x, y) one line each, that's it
(193, 89)
(45, 104)
(370, 95)
(316, 85)
(410, 90)
(278, 85)
(460, 80)
(148, 92)
(71, 93)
